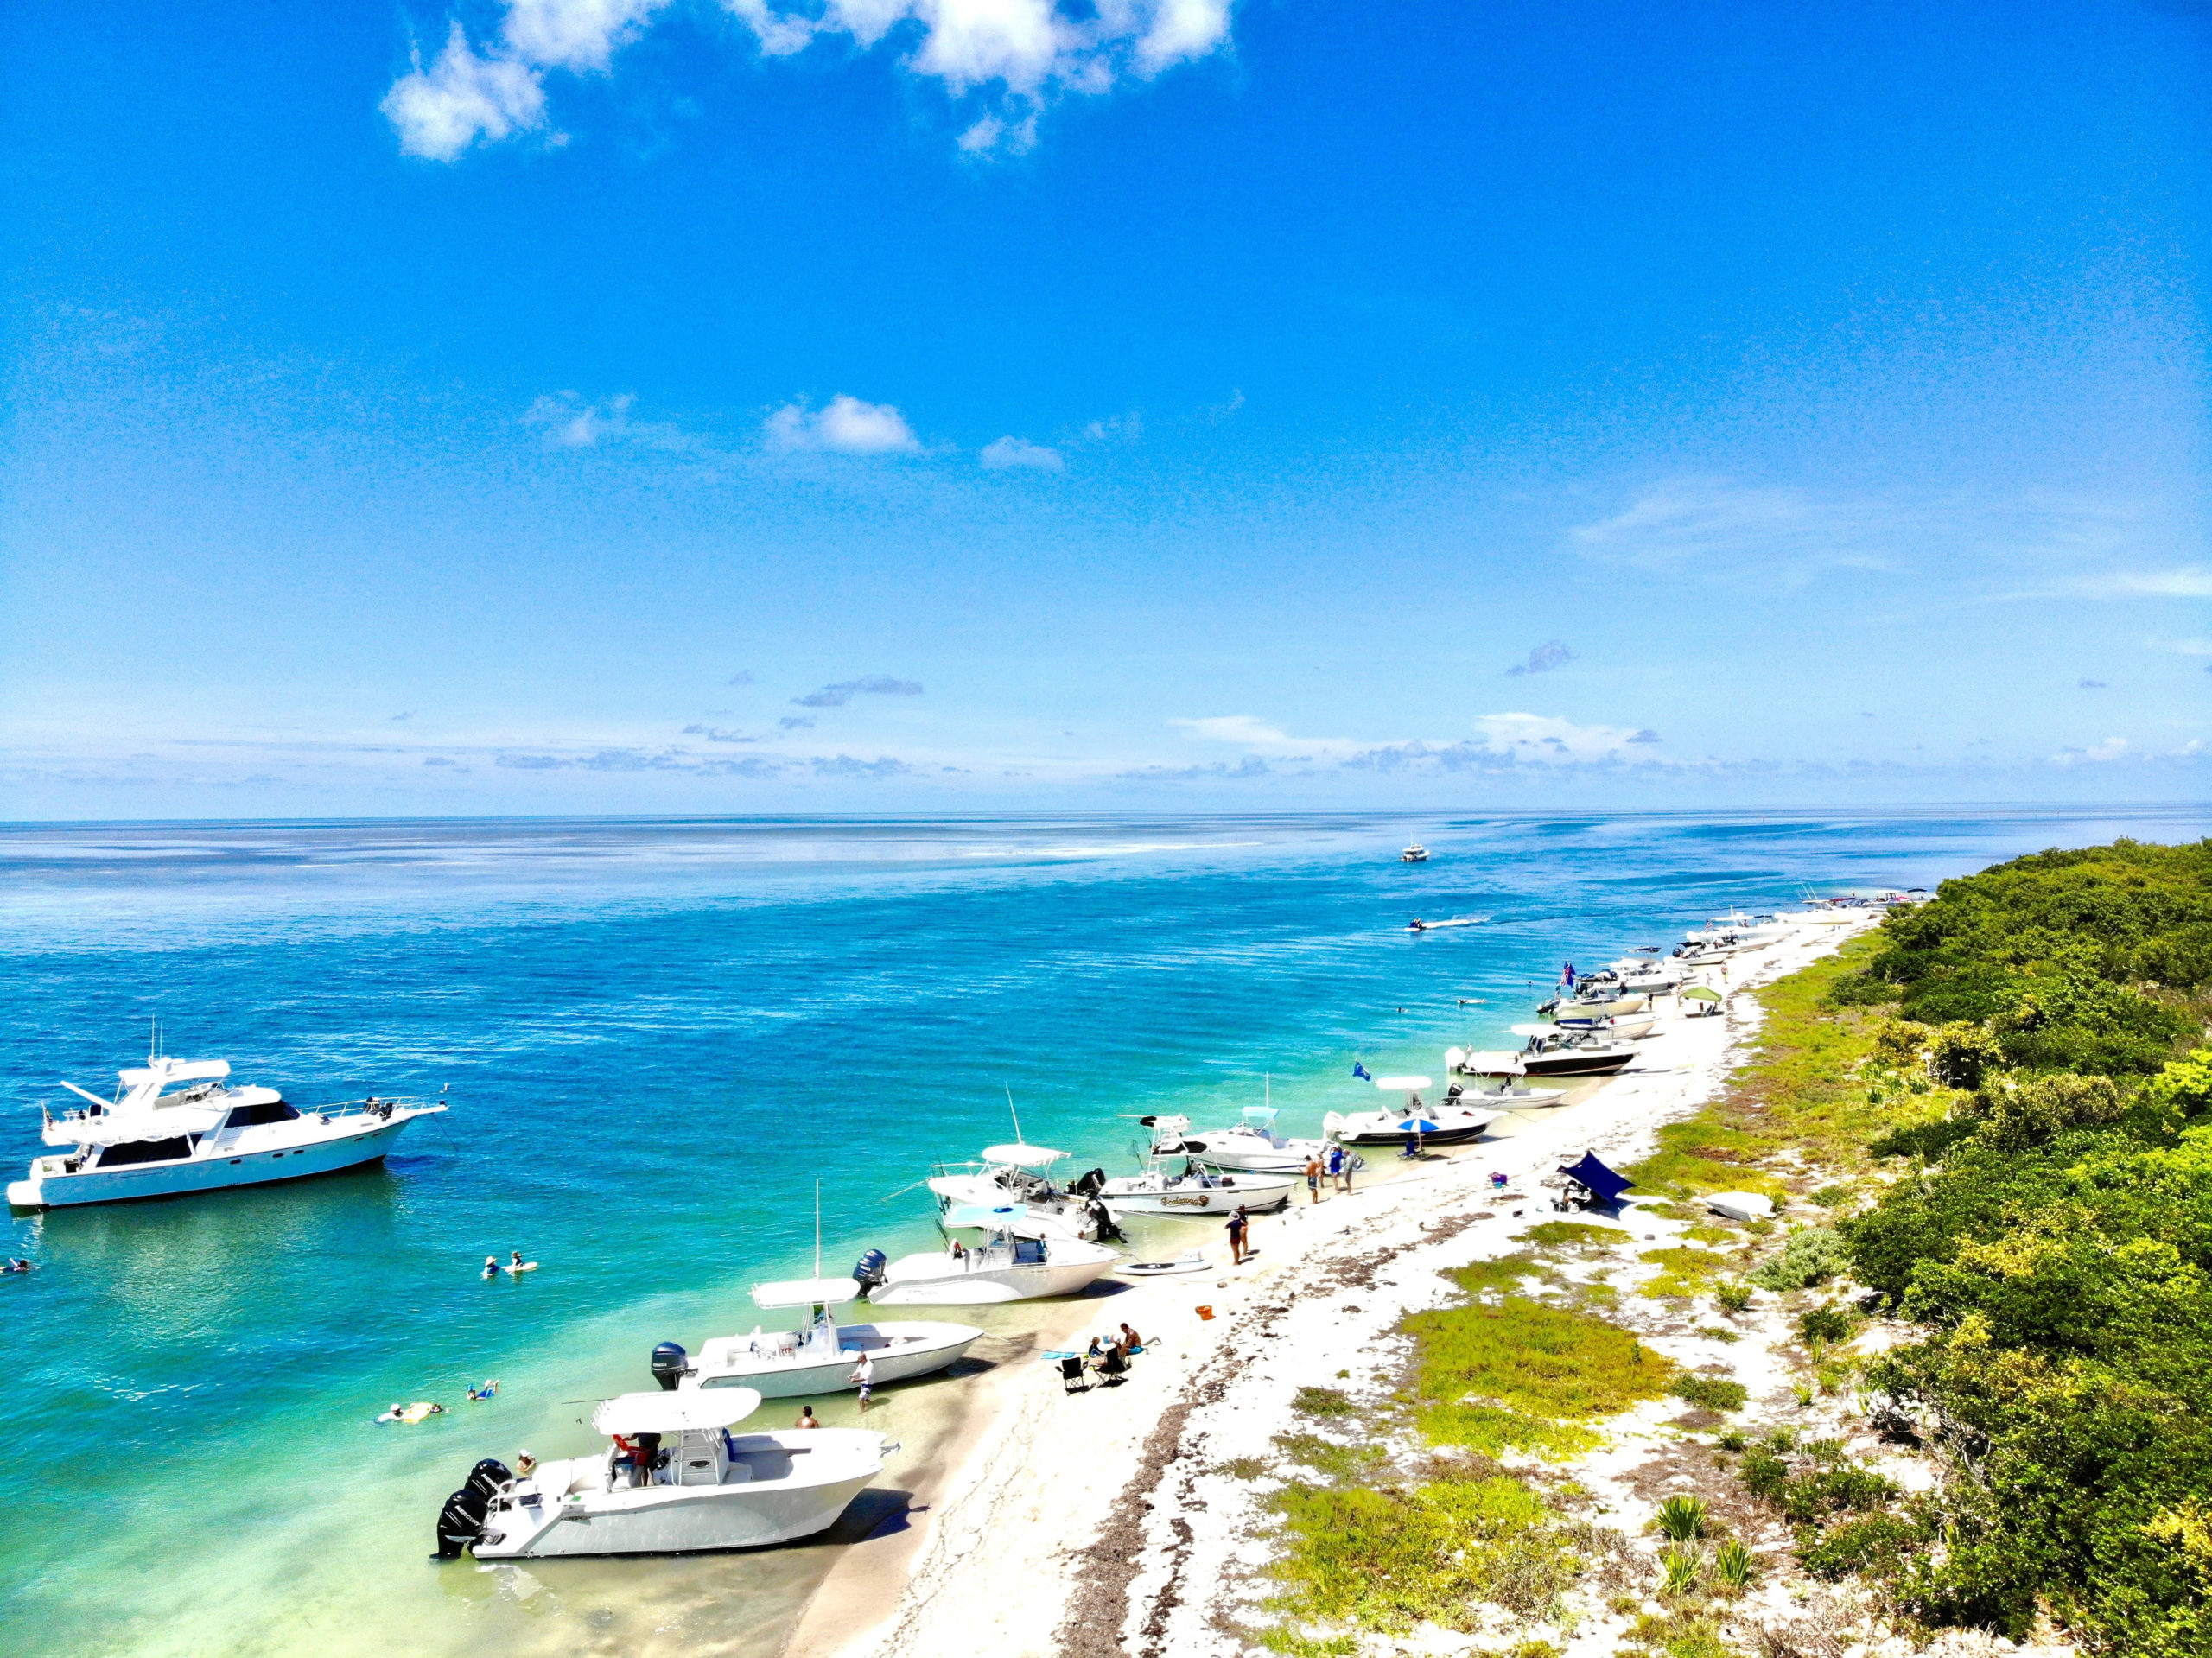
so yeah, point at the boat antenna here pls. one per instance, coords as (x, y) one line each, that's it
(817, 1230)
(1015, 1115)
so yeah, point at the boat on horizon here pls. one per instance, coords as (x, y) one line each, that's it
(1415, 853)
(177, 1127)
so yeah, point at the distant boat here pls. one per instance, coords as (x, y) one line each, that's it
(1415, 853)
(176, 1126)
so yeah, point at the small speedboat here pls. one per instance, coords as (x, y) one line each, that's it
(1014, 1173)
(1447, 1124)
(672, 1478)
(1415, 853)
(1620, 1028)
(819, 1359)
(1020, 1258)
(1507, 1095)
(1250, 1146)
(1196, 1192)
(1555, 1054)
(177, 1126)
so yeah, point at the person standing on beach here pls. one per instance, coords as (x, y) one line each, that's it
(1336, 1168)
(1237, 1224)
(1314, 1178)
(863, 1376)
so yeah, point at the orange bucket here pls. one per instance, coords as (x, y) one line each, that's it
(1206, 1313)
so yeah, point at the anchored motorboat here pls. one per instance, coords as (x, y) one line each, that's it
(1196, 1191)
(1447, 1124)
(672, 1478)
(1415, 853)
(178, 1126)
(1014, 1173)
(1021, 1258)
(785, 1363)
(1507, 1095)
(1252, 1145)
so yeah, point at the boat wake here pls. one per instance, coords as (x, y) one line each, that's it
(1454, 921)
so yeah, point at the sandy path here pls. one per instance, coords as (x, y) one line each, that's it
(1076, 1525)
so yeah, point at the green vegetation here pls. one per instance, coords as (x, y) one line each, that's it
(1321, 1401)
(1829, 1323)
(1328, 1456)
(1681, 1519)
(1553, 1235)
(1733, 1568)
(2054, 1234)
(1685, 1271)
(1713, 1393)
(1811, 1255)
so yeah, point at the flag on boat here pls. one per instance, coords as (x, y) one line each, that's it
(1361, 1071)
(1569, 973)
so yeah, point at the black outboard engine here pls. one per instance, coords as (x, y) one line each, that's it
(1101, 1224)
(1452, 1094)
(486, 1478)
(1090, 1184)
(670, 1362)
(460, 1522)
(868, 1271)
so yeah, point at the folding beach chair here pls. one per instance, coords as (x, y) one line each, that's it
(1072, 1380)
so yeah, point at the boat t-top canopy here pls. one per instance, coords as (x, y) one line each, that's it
(806, 1292)
(1002, 1218)
(1022, 1156)
(1261, 1113)
(1402, 1084)
(671, 1413)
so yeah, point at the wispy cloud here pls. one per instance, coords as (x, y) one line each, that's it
(743, 677)
(1009, 452)
(1689, 525)
(999, 61)
(2112, 748)
(572, 424)
(845, 426)
(836, 695)
(716, 734)
(1544, 658)
(2089, 684)
(2186, 581)
(1248, 731)
(1251, 766)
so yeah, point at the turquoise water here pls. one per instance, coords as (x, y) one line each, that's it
(658, 1037)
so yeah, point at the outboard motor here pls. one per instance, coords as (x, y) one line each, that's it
(486, 1478)
(670, 1364)
(1090, 1184)
(868, 1271)
(460, 1522)
(1452, 1094)
(1101, 1224)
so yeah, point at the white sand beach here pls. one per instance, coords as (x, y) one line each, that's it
(1091, 1523)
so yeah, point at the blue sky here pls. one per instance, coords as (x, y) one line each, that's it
(754, 405)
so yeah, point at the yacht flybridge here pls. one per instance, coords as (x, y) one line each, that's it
(178, 1126)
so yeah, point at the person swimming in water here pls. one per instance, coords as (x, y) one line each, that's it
(491, 1266)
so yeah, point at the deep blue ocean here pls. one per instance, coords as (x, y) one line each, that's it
(657, 1037)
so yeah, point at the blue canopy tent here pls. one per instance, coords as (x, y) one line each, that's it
(1605, 1187)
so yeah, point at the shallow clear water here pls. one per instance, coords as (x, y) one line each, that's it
(658, 1037)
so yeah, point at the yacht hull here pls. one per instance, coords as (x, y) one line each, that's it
(50, 1188)
(1188, 1200)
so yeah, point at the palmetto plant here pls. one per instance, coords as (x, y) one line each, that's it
(1681, 1564)
(1733, 1566)
(1682, 1518)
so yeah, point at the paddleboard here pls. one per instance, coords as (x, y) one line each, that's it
(526, 1266)
(1193, 1263)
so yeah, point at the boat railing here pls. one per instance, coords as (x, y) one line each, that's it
(375, 1106)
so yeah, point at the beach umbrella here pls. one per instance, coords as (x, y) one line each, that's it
(1418, 1126)
(1702, 992)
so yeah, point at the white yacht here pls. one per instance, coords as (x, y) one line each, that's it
(178, 1126)
(672, 1478)
(1415, 853)
(1251, 1146)
(819, 1359)
(1020, 1258)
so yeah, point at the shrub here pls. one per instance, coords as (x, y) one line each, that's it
(1681, 1519)
(1809, 1256)
(1321, 1401)
(1732, 1293)
(2015, 1117)
(1926, 1140)
(1713, 1393)
(1827, 1324)
(1680, 1566)
(1962, 1054)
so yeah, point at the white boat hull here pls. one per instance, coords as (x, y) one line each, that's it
(987, 1285)
(900, 1351)
(800, 1481)
(1190, 1198)
(1455, 1125)
(345, 1148)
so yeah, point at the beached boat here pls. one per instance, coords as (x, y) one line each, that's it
(177, 1127)
(819, 1359)
(1556, 1055)
(1450, 1124)
(1251, 1146)
(672, 1478)
(1508, 1094)
(1196, 1191)
(1620, 1028)
(1020, 1258)
(1014, 1173)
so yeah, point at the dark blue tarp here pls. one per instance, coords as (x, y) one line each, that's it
(1603, 1183)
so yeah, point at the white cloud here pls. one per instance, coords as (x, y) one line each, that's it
(440, 112)
(1019, 452)
(2191, 581)
(1248, 731)
(1704, 524)
(2192, 647)
(1005, 58)
(572, 424)
(846, 426)
(2110, 748)
(1543, 738)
